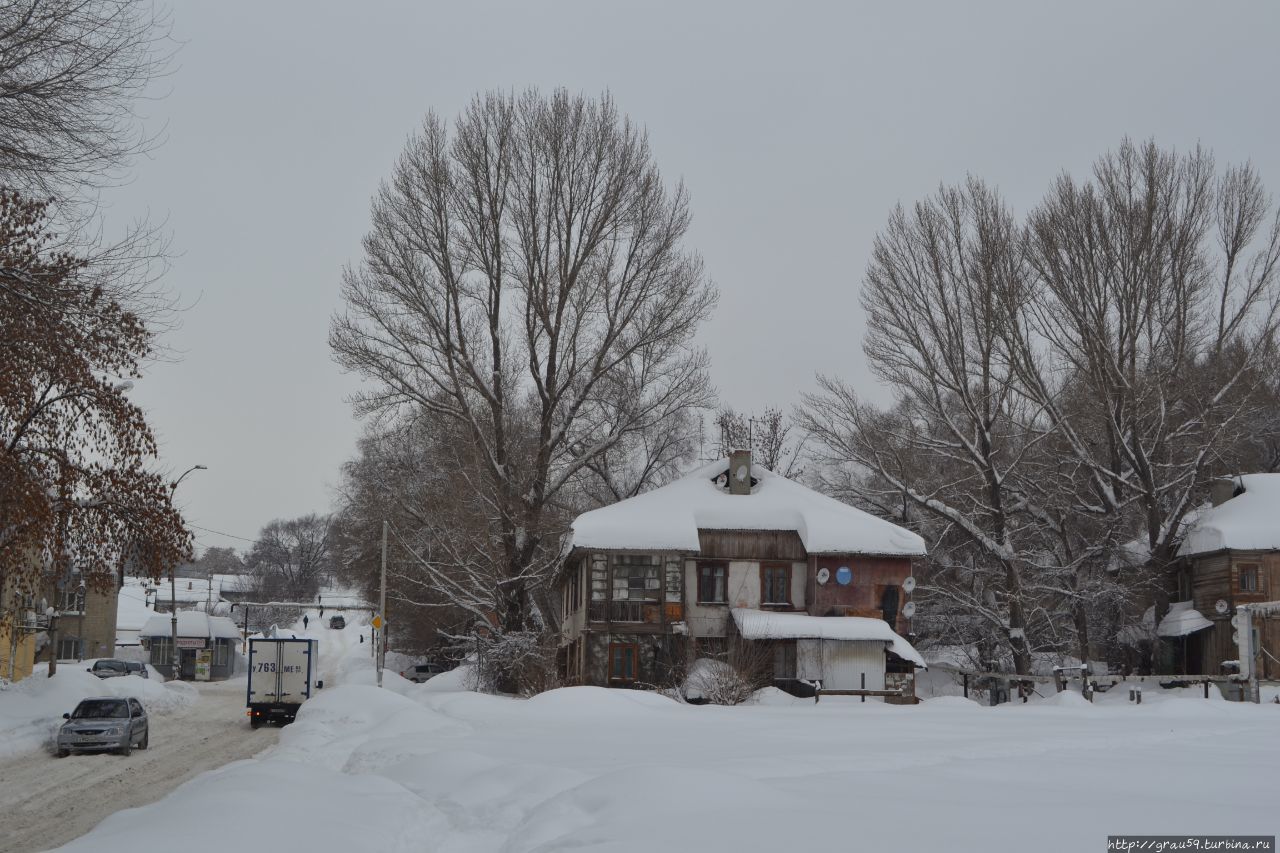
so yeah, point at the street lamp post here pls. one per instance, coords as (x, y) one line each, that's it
(173, 591)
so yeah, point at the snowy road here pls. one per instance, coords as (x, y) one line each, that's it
(48, 801)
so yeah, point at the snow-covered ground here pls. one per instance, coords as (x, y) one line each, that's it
(31, 710)
(435, 767)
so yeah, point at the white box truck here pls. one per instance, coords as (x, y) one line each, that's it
(281, 677)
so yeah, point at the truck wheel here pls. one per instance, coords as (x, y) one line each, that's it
(255, 722)
(63, 753)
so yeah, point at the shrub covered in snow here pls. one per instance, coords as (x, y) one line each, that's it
(518, 662)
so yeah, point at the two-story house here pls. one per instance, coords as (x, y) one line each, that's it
(729, 551)
(1231, 556)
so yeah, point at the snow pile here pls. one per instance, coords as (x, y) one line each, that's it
(31, 710)
(1247, 522)
(763, 625)
(668, 518)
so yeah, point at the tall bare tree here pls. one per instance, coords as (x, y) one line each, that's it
(953, 444)
(1148, 335)
(525, 279)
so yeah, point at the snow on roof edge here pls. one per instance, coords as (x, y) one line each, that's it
(669, 518)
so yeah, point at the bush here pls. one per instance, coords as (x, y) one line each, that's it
(519, 662)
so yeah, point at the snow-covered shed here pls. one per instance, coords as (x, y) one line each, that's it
(650, 582)
(206, 645)
(1230, 555)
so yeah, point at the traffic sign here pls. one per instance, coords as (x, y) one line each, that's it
(377, 622)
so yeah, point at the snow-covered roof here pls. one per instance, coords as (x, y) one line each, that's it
(668, 518)
(132, 611)
(191, 623)
(1248, 522)
(768, 625)
(1181, 620)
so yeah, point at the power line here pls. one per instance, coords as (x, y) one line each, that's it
(220, 533)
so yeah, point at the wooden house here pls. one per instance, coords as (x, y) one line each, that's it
(1230, 556)
(733, 552)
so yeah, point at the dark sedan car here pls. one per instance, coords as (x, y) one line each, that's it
(110, 668)
(105, 724)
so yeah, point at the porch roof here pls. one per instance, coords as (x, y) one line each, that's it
(768, 625)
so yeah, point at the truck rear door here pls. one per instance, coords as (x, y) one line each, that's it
(295, 671)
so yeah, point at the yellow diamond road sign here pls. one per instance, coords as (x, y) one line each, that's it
(377, 622)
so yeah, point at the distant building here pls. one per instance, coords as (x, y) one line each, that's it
(206, 645)
(733, 552)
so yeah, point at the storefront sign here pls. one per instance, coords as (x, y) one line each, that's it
(191, 642)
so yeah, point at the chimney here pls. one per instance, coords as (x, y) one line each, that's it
(1223, 489)
(740, 472)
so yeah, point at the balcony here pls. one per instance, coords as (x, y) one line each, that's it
(635, 612)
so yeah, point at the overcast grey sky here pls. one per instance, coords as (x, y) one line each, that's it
(796, 128)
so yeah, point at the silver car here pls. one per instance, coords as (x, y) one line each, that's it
(104, 724)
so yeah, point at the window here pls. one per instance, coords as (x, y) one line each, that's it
(635, 577)
(712, 583)
(71, 601)
(711, 647)
(135, 707)
(889, 605)
(575, 588)
(68, 648)
(622, 662)
(1248, 573)
(784, 660)
(161, 651)
(775, 584)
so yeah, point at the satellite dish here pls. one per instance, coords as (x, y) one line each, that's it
(844, 576)
(909, 609)
(909, 585)
(1221, 606)
(824, 575)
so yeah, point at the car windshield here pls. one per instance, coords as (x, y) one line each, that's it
(101, 709)
(116, 665)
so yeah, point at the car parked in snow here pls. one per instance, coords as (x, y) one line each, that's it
(422, 672)
(112, 668)
(104, 724)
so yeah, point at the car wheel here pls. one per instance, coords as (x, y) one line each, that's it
(146, 738)
(125, 748)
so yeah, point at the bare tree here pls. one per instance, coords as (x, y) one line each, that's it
(953, 445)
(291, 557)
(768, 435)
(70, 73)
(1148, 335)
(525, 279)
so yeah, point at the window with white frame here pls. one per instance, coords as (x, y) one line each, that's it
(636, 577)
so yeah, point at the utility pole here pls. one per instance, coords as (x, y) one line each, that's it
(382, 607)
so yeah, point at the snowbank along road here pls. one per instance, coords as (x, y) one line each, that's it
(49, 801)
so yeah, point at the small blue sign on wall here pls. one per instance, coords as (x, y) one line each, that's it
(844, 575)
